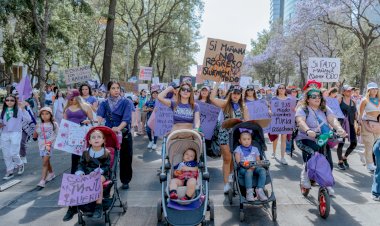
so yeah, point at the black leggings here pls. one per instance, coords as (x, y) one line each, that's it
(353, 143)
(308, 148)
(126, 156)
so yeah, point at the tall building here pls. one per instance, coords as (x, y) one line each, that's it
(276, 10)
(289, 9)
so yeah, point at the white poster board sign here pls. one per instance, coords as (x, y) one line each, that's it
(324, 69)
(155, 80)
(146, 73)
(77, 75)
(245, 81)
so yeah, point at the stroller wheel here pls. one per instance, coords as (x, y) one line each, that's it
(324, 203)
(241, 215)
(211, 204)
(274, 210)
(159, 210)
(304, 191)
(230, 195)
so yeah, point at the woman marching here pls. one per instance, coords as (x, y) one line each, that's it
(233, 107)
(250, 94)
(148, 108)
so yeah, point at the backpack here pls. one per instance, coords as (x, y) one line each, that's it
(318, 169)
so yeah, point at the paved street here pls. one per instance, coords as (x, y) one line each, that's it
(23, 204)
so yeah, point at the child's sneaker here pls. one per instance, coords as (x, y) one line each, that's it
(41, 183)
(226, 188)
(261, 195)
(20, 169)
(50, 176)
(150, 144)
(283, 161)
(341, 166)
(249, 195)
(173, 195)
(8, 176)
(154, 146)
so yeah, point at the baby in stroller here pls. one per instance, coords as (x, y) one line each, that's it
(96, 159)
(185, 174)
(246, 157)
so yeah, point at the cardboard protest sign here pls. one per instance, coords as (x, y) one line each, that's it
(164, 119)
(334, 105)
(129, 86)
(324, 69)
(209, 117)
(77, 75)
(146, 73)
(79, 190)
(187, 79)
(223, 60)
(283, 116)
(258, 109)
(245, 81)
(70, 137)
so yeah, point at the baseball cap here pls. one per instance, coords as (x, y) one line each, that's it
(372, 85)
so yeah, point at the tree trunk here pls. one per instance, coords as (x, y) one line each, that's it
(109, 42)
(135, 69)
(363, 74)
(302, 81)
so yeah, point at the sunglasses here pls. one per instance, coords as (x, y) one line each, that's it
(314, 96)
(281, 87)
(186, 90)
(236, 91)
(9, 100)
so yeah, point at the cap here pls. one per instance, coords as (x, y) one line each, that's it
(236, 88)
(48, 109)
(312, 83)
(250, 87)
(347, 87)
(205, 87)
(372, 85)
(73, 93)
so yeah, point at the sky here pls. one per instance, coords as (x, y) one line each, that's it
(237, 21)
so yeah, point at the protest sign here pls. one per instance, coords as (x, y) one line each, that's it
(143, 86)
(164, 119)
(146, 73)
(70, 137)
(324, 69)
(199, 79)
(258, 109)
(129, 86)
(283, 116)
(28, 127)
(156, 80)
(223, 60)
(77, 74)
(334, 105)
(24, 88)
(132, 79)
(245, 81)
(187, 79)
(79, 190)
(208, 116)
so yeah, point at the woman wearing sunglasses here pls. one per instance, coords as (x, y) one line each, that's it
(233, 107)
(312, 117)
(186, 111)
(12, 116)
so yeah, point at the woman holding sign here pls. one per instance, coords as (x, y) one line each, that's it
(233, 107)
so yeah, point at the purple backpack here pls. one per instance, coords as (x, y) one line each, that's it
(318, 169)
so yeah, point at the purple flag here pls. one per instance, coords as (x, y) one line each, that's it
(24, 88)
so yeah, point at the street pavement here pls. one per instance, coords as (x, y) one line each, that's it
(24, 204)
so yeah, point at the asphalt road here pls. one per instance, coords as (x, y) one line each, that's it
(23, 204)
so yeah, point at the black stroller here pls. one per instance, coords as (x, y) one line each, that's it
(109, 199)
(173, 147)
(238, 184)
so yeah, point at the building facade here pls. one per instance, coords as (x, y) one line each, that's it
(289, 9)
(276, 10)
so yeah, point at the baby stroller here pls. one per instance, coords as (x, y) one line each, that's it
(238, 186)
(188, 212)
(109, 199)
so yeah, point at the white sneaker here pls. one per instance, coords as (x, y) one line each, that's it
(371, 167)
(23, 159)
(154, 147)
(150, 144)
(231, 178)
(249, 195)
(8, 176)
(362, 158)
(305, 179)
(376, 198)
(273, 155)
(41, 184)
(227, 187)
(20, 169)
(331, 191)
(261, 194)
(50, 176)
(283, 161)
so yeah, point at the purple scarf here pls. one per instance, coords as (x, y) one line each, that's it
(112, 101)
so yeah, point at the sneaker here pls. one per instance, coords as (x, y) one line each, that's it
(154, 147)
(376, 198)
(69, 214)
(249, 195)
(41, 183)
(371, 167)
(98, 211)
(331, 191)
(150, 144)
(173, 195)
(283, 161)
(362, 158)
(305, 182)
(231, 178)
(345, 162)
(226, 188)
(8, 176)
(125, 186)
(50, 176)
(273, 155)
(341, 166)
(23, 159)
(261, 195)
(20, 170)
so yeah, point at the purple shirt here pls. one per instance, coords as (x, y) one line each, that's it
(76, 116)
(15, 124)
(91, 100)
(247, 156)
(183, 112)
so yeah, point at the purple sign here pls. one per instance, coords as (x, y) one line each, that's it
(334, 105)
(79, 190)
(209, 116)
(283, 116)
(164, 119)
(258, 109)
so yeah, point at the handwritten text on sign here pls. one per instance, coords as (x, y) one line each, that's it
(77, 75)
(258, 109)
(146, 73)
(324, 69)
(129, 86)
(223, 59)
(283, 116)
(334, 105)
(208, 116)
(164, 119)
(79, 190)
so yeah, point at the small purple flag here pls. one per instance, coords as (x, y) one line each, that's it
(24, 88)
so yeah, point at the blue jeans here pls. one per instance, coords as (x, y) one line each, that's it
(376, 175)
(149, 133)
(248, 176)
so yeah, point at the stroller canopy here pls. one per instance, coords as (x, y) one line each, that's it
(257, 134)
(110, 135)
